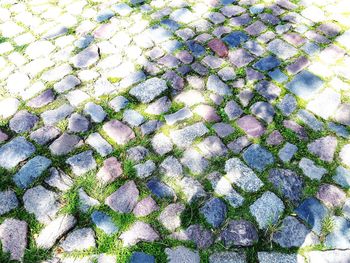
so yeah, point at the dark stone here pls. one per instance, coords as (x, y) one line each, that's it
(239, 233)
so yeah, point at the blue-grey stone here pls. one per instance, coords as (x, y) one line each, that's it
(14, 152)
(214, 211)
(263, 110)
(170, 24)
(340, 130)
(133, 118)
(148, 90)
(23, 121)
(313, 213)
(239, 233)
(31, 171)
(118, 103)
(82, 163)
(287, 182)
(278, 75)
(287, 105)
(339, 238)
(8, 201)
(132, 79)
(216, 85)
(267, 63)
(235, 38)
(310, 48)
(305, 84)
(257, 157)
(287, 152)
(140, 257)
(104, 15)
(196, 49)
(310, 120)
(282, 49)
(51, 117)
(233, 110)
(104, 222)
(160, 189)
(268, 90)
(342, 177)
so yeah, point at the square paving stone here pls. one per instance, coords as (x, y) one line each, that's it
(282, 49)
(235, 38)
(257, 157)
(267, 63)
(240, 57)
(305, 85)
(256, 28)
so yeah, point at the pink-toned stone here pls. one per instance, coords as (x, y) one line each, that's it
(145, 207)
(218, 47)
(251, 126)
(294, 39)
(3, 136)
(118, 131)
(275, 138)
(105, 31)
(331, 195)
(110, 171)
(207, 112)
(13, 237)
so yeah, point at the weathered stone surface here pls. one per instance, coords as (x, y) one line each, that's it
(145, 207)
(86, 58)
(281, 49)
(59, 180)
(218, 47)
(82, 163)
(49, 235)
(140, 257)
(225, 257)
(160, 189)
(192, 189)
(342, 115)
(144, 170)
(313, 213)
(78, 123)
(184, 137)
(331, 195)
(119, 132)
(202, 237)
(124, 199)
(95, 111)
(133, 118)
(138, 232)
(96, 141)
(182, 254)
(339, 237)
(161, 144)
(42, 203)
(277, 257)
(45, 134)
(13, 236)
(214, 211)
(170, 217)
(212, 146)
(287, 182)
(251, 126)
(137, 154)
(257, 157)
(104, 222)
(239, 233)
(110, 171)
(51, 117)
(287, 152)
(23, 121)
(342, 177)
(233, 110)
(64, 144)
(32, 170)
(215, 85)
(267, 209)
(85, 201)
(171, 167)
(8, 201)
(324, 148)
(149, 90)
(292, 233)
(311, 170)
(78, 240)
(14, 152)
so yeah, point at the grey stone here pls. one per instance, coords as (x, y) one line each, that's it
(96, 141)
(277, 257)
(41, 100)
(215, 85)
(32, 170)
(85, 201)
(137, 154)
(194, 161)
(212, 147)
(203, 238)
(140, 257)
(310, 120)
(339, 130)
(82, 163)
(148, 90)
(287, 182)
(138, 232)
(342, 115)
(145, 207)
(242, 176)
(240, 57)
(214, 211)
(305, 84)
(59, 180)
(160, 189)
(282, 49)
(161, 144)
(159, 106)
(151, 126)
(14, 152)
(329, 256)
(78, 123)
(342, 177)
(182, 254)
(64, 144)
(13, 236)
(86, 58)
(8, 201)
(23, 121)
(239, 144)
(311, 170)
(180, 115)
(223, 129)
(263, 110)
(331, 195)
(45, 134)
(170, 217)
(267, 209)
(110, 171)
(119, 132)
(287, 152)
(227, 257)
(292, 233)
(119, 103)
(124, 199)
(42, 203)
(78, 240)
(104, 222)
(268, 90)
(184, 137)
(171, 167)
(56, 229)
(51, 117)
(233, 110)
(324, 148)
(239, 233)
(275, 138)
(192, 189)
(67, 83)
(267, 63)
(133, 118)
(257, 157)
(144, 170)
(95, 111)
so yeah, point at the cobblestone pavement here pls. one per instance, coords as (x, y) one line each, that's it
(175, 131)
